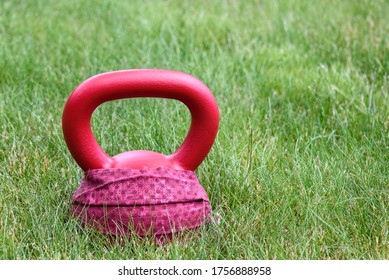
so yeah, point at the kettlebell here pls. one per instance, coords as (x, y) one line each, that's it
(140, 191)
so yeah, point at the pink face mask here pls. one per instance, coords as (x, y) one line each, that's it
(141, 192)
(147, 201)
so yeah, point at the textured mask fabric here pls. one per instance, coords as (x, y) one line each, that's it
(147, 201)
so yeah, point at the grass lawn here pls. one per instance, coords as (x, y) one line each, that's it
(299, 169)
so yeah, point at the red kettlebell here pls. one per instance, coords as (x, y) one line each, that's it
(140, 83)
(147, 191)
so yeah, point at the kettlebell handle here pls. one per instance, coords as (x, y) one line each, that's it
(132, 84)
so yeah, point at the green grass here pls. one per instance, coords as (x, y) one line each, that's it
(299, 169)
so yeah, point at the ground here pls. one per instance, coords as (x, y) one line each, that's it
(299, 169)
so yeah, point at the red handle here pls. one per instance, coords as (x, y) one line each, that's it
(140, 83)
